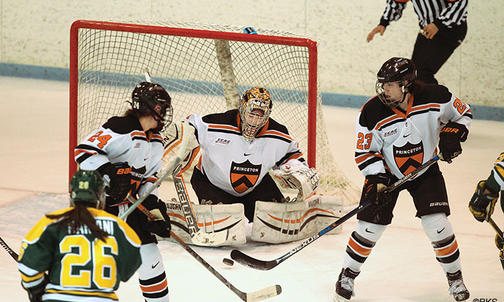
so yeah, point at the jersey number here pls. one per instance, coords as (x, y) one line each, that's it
(79, 253)
(103, 139)
(459, 106)
(360, 141)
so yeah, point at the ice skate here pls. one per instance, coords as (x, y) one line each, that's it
(457, 287)
(345, 285)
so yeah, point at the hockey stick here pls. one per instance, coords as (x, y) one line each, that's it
(499, 233)
(244, 259)
(258, 295)
(8, 249)
(198, 236)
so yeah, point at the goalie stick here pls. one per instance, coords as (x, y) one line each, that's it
(245, 259)
(8, 249)
(198, 236)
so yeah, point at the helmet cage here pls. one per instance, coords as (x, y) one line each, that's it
(395, 69)
(255, 109)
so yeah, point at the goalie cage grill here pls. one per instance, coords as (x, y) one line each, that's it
(205, 68)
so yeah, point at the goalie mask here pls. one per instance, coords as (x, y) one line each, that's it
(255, 109)
(152, 99)
(88, 188)
(399, 70)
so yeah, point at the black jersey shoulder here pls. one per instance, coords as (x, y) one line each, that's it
(274, 125)
(432, 93)
(372, 112)
(225, 118)
(123, 124)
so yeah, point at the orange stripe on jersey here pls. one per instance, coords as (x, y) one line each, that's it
(425, 107)
(156, 136)
(155, 288)
(293, 156)
(189, 163)
(358, 248)
(151, 179)
(363, 157)
(447, 250)
(225, 127)
(275, 132)
(394, 117)
(79, 151)
(177, 143)
(138, 133)
(264, 129)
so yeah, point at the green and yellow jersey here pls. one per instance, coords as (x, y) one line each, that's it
(80, 267)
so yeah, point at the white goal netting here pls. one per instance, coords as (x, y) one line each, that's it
(204, 68)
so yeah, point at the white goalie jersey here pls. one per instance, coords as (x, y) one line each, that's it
(233, 164)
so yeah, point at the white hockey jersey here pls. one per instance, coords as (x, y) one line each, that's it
(122, 140)
(233, 164)
(402, 141)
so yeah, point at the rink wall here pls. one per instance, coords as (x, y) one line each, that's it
(34, 40)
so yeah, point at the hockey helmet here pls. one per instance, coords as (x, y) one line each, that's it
(87, 187)
(395, 69)
(152, 99)
(255, 108)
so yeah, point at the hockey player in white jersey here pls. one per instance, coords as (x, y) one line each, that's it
(397, 131)
(238, 149)
(127, 151)
(482, 203)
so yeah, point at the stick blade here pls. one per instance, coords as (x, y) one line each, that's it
(245, 259)
(209, 239)
(265, 293)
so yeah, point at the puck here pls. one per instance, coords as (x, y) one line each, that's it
(228, 261)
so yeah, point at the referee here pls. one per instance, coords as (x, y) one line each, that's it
(443, 27)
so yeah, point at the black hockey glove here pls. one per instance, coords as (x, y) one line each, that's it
(35, 293)
(483, 201)
(374, 185)
(117, 179)
(161, 226)
(449, 141)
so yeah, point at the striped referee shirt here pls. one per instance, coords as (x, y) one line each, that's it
(443, 13)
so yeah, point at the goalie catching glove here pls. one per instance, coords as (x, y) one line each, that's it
(449, 141)
(483, 201)
(161, 226)
(299, 177)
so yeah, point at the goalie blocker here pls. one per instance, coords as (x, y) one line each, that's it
(273, 222)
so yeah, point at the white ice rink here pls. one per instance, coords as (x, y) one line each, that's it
(402, 266)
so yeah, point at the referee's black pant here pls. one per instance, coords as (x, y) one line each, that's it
(430, 55)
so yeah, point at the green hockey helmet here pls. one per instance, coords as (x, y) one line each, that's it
(87, 187)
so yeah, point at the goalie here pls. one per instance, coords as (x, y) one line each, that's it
(238, 149)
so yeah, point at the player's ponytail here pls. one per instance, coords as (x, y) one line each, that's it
(77, 217)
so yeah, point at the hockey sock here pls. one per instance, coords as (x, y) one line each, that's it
(440, 232)
(361, 242)
(152, 274)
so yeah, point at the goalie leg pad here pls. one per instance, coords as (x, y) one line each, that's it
(211, 219)
(286, 222)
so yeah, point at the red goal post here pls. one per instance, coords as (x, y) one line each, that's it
(204, 68)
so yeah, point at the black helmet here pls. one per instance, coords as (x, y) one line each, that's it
(87, 187)
(152, 99)
(396, 69)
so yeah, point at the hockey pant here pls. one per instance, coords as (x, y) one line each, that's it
(152, 274)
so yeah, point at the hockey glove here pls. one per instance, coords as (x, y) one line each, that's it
(298, 177)
(117, 179)
(482, 202)
(449, 141)
(161, 226)
(35, 293)
(374, 187)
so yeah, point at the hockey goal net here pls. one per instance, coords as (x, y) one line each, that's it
(205, 68)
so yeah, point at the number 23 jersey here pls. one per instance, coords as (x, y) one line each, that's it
(402, 141)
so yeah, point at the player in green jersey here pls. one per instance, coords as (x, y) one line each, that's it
(80, 253)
